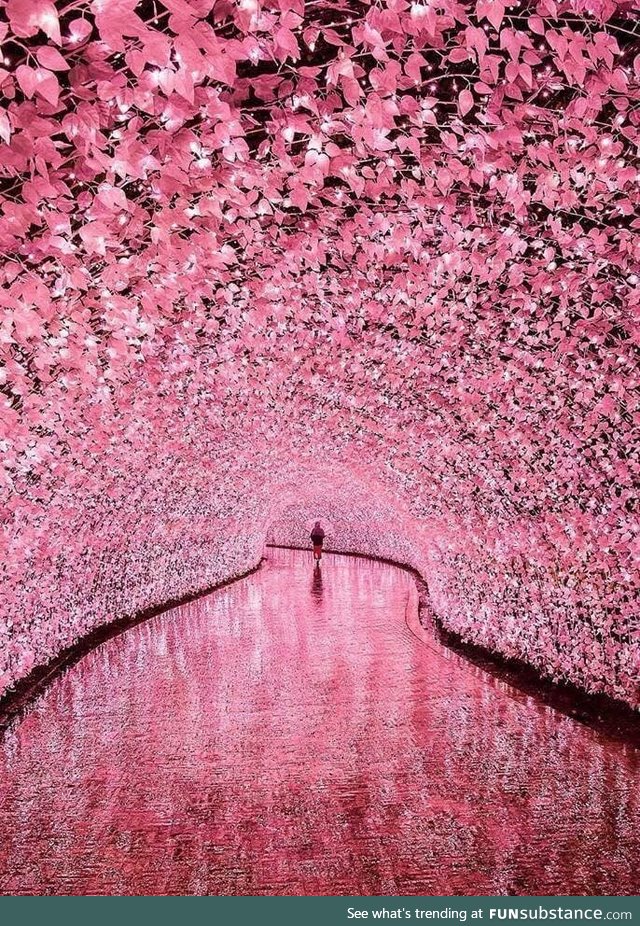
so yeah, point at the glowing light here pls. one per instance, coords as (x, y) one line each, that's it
(382, 240)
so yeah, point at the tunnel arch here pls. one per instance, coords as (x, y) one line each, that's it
(232, 285)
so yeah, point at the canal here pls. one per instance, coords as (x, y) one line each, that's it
(298, 733)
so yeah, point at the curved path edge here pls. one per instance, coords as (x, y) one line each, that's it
(16, 699)
(609, 716)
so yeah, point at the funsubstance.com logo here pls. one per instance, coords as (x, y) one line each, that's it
(556, 913)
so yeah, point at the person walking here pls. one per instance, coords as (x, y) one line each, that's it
(317, 539)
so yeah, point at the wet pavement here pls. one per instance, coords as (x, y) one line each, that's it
(297, 733)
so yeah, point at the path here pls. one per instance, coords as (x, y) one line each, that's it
(290, 734)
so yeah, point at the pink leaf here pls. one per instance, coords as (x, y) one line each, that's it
(5, 127)
(413, 65)
(493, 10)
(457, 55)
(536, 24)
(94, 236)
(286, 44)
(526, 74)
(29, 16)
(79, 30)
(51, 58)
(465, 102)
(26, 79)
(47, 86)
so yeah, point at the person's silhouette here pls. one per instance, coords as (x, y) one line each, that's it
(317, 539)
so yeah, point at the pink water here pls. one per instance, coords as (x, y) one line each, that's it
(290, 734)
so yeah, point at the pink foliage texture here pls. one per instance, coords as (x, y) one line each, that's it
(377, 262)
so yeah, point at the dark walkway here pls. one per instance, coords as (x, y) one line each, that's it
(290, 734)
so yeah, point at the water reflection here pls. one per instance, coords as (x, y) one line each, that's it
(254, 742)
(316, 584)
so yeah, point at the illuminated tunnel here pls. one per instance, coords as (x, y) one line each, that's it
(369, 262)
(374, 262)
